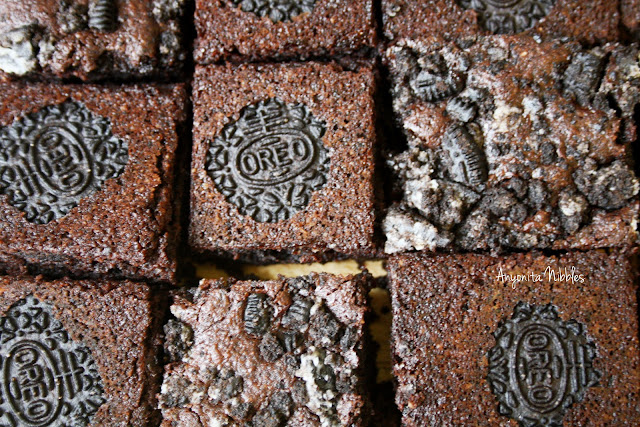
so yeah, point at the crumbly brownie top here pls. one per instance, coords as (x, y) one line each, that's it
(471, 334)
(91, 39)
(513, 144)
(267, 353)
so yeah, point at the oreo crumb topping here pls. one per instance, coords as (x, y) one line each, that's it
(178, 339)
(307, 358)
(513, 160)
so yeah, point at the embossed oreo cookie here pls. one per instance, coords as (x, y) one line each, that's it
(52, 159)
(269, 162)
(48, 379)
(540, 365)
(524, 338)
(509, 16)
(276, 10)
(103, 15)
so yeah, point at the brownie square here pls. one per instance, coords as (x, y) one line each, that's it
(286, 351)
(541, 340)
(278, 29)
(513, 144)
(283, 160)
(630, 12)
(587, 21)
(81, 353)
(91, 39)
(86, 180)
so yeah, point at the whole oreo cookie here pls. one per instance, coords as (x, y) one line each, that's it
(270, 161)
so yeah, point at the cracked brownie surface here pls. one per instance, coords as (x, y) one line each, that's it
(513, 144)
(287, 351)
(91, 40)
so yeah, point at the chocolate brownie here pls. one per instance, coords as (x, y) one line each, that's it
(523, 339)
(630, 11)
(79, 353)
(86, 180)
(91, 39)
(588, 21)
(513, 144)
(283, 160)
(286, 351)
(277, 29)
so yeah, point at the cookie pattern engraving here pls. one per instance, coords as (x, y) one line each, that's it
(53, 158)
(276, 10)
(540, 365)
(509, 16)
(465, 161)
(436, 80)
(47, 378)
(269, 162)
(103, 15)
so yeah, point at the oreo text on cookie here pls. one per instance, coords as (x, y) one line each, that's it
(269, 162)
(540, 365)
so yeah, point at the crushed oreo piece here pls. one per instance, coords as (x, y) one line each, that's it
(608, 187)
(270, 348)
(298, 313)
(257, 314)
(583, 74)
(436, 80)
(463, 159)
(178, 339)
(324, 327)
